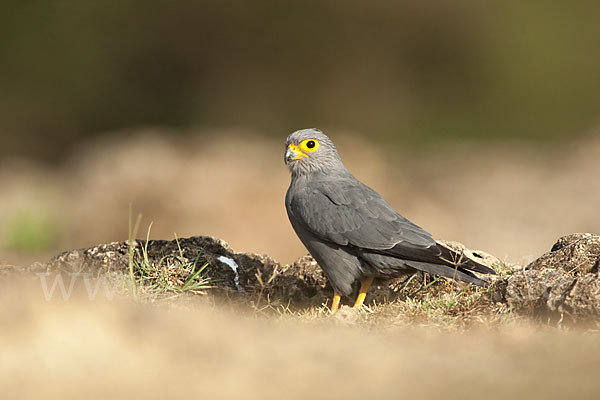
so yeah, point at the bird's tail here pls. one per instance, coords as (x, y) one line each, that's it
(456, 272)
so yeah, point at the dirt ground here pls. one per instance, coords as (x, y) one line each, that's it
(118, 349)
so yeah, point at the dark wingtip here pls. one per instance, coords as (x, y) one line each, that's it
(482, 269)
(481, 283)
(472, 278)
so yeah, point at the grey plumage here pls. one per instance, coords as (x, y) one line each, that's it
(350, 230)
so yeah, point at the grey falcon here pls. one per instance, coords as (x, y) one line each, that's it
(351, 231)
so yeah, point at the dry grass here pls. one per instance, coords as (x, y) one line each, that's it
(444, 307)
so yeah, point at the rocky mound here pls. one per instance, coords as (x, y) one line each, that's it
(231, 274)
(561, 284)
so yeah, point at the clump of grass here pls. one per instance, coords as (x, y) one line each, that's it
(442, 304)
(422, 300)
(263, 284)
(166, 278)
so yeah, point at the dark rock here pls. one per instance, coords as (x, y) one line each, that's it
(114, 257)
(102, 258)
(574, 254)
(256, 275)
(562, 284)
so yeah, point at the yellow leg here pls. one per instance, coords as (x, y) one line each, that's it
(336, 302)
(365, 284)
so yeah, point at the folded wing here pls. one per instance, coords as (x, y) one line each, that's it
(349, 213)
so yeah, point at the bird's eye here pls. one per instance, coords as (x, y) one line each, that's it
(309, 145)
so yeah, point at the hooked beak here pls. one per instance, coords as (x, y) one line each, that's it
(293, 153)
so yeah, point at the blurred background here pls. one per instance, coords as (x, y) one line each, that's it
(478, 121)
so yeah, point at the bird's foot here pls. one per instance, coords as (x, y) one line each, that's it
(365, 284)
(335, 304)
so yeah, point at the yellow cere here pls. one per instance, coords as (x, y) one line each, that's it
(297, 151)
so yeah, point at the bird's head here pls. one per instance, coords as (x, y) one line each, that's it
(309, 151)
